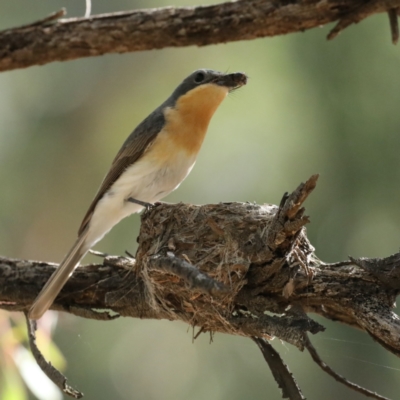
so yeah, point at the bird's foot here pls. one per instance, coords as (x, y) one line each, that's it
(148, 206)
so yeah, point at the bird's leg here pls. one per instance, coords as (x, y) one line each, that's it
(162, 202)
(141, 203)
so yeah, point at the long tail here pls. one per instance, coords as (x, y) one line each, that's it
(60, 276)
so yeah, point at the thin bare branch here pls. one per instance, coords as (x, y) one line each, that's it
(394, 24)
(315, 356)
(280, 371)
(52, 373)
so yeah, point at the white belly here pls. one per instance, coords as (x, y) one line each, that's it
(147, 180)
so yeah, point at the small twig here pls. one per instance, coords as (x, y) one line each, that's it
(339, 264)
(195, 336)
(189, 273)
(280, 371)
(365, 10)
(394, 24)
(299, 196)
(344, 23)
(119, 261)
(354, 17)
(129, 254)
(315, 356)
(98, 253)
(50, 18)
(289, 213)
(52, 373)
(283, 200)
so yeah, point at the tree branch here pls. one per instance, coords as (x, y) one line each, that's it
(52, 373)
(67, 39)
(282, 375)
(236, 268)
(339, 378)
(260, 255)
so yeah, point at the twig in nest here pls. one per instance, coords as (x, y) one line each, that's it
(394, 24)
(315, 356)
(118, 261)
(129, 254)
(52, 373)
(98, 253)
(280, 371)
(339, 264)
(195, 336)
(189, 273)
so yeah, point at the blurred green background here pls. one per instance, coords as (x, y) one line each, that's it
(310, 106)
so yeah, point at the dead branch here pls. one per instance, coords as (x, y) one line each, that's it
(51, 40)
(315, 356)
(236, 268)
(282, 375)
(52, 373)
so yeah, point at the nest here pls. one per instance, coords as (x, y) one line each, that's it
(224, 241)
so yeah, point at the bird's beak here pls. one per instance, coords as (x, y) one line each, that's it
(232, 81)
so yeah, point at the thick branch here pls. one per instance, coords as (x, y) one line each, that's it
(241, 269)
(259, 254)
(139, 30)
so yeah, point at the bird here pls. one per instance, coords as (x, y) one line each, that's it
(153, 161)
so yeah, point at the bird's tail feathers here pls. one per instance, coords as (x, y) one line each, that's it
(60, 276)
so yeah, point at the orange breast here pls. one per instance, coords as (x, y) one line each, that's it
(187, 123)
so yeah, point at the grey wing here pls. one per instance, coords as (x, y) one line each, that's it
(133, 148)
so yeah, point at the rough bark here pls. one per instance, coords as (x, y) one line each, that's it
(268, 274)
(67, 39)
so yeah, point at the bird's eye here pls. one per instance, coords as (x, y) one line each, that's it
(200, 76)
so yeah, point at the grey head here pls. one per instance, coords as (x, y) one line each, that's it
(205, 76)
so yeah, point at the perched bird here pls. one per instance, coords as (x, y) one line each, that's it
(153, 161)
